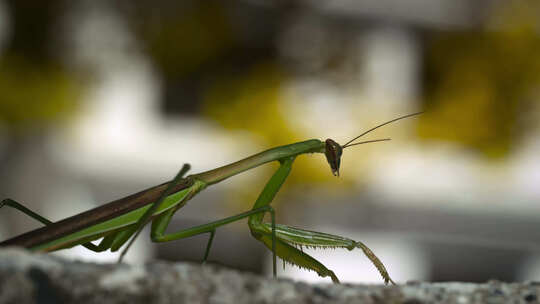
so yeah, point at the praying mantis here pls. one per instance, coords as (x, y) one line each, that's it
(118, 223)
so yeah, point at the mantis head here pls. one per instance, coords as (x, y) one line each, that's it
(333, 153)
(333, 150)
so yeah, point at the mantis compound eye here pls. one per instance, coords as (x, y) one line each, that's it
(333, 153)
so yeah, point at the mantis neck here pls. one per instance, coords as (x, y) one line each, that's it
(274, 154)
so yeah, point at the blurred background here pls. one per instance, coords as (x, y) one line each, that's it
(101, 99)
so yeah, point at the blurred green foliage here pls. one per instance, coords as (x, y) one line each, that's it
(481, 85)
(36, 90)
(33, 96)
(250, 101)
(181, 41)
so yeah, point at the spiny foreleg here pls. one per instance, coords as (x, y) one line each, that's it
(302, 237)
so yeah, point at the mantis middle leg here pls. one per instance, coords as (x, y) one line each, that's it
(159, 225)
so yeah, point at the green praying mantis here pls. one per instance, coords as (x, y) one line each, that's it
(119, 222)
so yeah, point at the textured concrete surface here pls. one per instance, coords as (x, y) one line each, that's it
(33, 278)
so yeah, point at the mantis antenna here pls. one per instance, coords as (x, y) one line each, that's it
(367, 142)
(376, 127)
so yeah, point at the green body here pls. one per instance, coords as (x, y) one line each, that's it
(113, 225)
(116, 227)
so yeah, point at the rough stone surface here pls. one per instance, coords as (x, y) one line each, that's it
(33, 278)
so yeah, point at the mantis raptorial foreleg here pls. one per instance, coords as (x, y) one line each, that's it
(301, 237)
(282, 248)
(296, 257)
(287, 237)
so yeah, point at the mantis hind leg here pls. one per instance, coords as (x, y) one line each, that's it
(102, 246)
(13, 204)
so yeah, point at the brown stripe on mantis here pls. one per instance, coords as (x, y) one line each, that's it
(93, 216)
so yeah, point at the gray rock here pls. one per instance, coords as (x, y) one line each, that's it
(42, 278)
